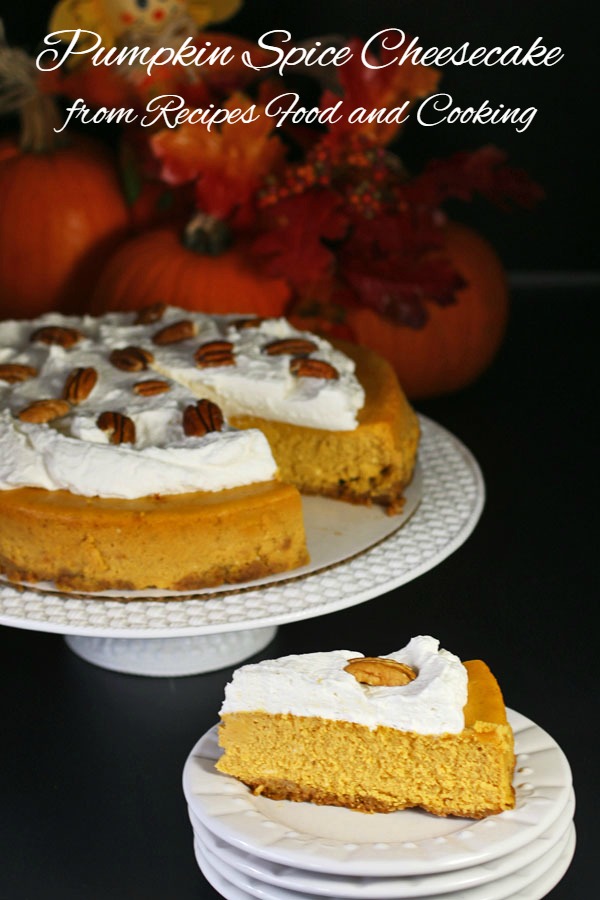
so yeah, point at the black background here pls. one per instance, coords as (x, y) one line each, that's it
(557, 149)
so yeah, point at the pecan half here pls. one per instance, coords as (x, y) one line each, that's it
(205, 416)
(375, 670)
(120, 428)
(79, 384)
(56, 334)
(41, 411)
(151, 387)
(172, 334)
(151, 313)
(214, 353)
(312, 368)
(253, 322)
(131, 359)
(15, 372)
(294, 346)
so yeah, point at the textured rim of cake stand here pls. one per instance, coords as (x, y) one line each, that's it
(453, 496)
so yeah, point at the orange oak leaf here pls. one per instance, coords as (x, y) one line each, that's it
(377, 88)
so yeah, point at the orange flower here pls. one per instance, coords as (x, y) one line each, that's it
(229, 161)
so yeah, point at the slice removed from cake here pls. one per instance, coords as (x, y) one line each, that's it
(373, 463)
(339, 729)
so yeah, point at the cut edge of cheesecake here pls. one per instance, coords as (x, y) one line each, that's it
(372, 464)
(338, 763)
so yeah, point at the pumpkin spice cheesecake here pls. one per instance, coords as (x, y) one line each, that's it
(416, 728)
(166, 449)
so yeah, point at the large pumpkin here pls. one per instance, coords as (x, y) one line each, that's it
(156, 266)
(459, 341)
(61, 214)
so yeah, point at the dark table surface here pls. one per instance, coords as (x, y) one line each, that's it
(91, 761)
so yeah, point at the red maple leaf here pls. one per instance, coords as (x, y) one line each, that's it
(393, 265)
(463, 175)
(293, 236)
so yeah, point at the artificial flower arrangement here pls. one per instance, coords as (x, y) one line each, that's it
(322, 224)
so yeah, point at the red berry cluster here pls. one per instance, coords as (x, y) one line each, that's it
(365, 175)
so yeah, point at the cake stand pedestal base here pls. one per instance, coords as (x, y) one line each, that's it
(164, 657)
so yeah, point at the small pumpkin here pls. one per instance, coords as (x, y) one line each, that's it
(62, 210)
(205, 275)
(459, 341)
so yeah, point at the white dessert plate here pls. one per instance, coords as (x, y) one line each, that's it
(529, 883)
(361, 888)
(410, 842)
(452, 497)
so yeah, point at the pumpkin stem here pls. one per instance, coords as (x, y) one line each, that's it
(207, 235)
(19, 92)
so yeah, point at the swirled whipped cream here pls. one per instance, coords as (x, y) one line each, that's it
(41, 456)
(72, 452)
(316, 684)
(258, 384)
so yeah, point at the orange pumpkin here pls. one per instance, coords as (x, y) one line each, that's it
(61, 213)
(459, 341)
(156, 266)
(61, 216)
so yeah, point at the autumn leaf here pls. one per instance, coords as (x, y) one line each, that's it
(463, 175)
(376, 88)
(228, 162)
(294, 235)
(399, 291)
(394, 267)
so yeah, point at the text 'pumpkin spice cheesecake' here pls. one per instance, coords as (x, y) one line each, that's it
(166, 449)
(417, 728)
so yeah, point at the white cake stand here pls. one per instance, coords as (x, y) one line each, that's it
(187, 635)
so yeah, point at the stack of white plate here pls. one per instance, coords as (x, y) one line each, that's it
(249, 846)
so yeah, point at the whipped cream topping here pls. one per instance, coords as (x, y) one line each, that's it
(48, 459)
(315, 684)
(262, 385)
(73, 453)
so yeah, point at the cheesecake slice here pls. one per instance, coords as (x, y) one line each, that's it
(415, 729)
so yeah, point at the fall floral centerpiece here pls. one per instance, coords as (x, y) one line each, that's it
(321, 223)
